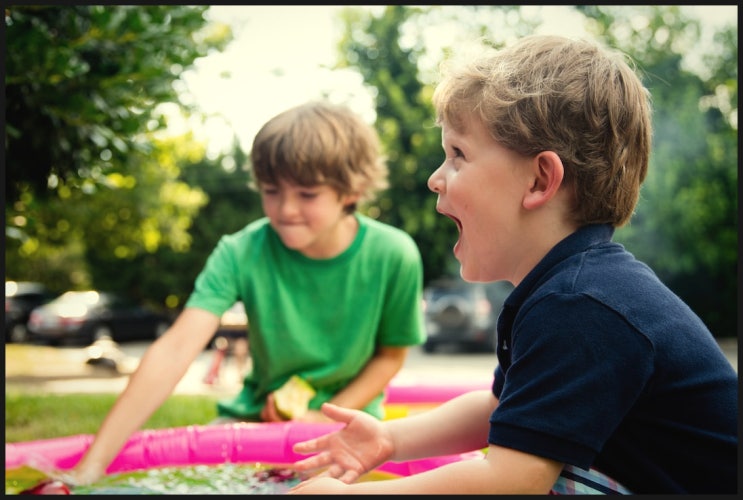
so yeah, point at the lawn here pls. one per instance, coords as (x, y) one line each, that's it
(32, 416)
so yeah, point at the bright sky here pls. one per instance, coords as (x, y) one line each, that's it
(281, 57)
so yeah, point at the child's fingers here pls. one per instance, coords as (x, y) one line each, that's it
(311, 463)
(337, 413)
(312, 445)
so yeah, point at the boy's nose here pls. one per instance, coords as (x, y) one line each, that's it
(436, 182)
(287, 205)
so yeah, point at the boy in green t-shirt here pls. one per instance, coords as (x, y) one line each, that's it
(332, 296)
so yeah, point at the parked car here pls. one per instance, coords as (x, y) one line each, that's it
(20, 298)
(463, 314)
(82, 317)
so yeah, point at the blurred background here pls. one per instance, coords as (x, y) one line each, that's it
(128, 128)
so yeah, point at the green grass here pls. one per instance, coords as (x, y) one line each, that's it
(32, 416)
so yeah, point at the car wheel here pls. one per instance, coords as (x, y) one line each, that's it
(102, 332)
(19, 333)
(160, 329)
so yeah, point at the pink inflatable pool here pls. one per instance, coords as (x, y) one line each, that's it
(230, 443)
(398, 393)
(211, 444)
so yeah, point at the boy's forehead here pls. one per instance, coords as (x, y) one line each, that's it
(465, 125)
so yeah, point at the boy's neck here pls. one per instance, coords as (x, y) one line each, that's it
(337, 241)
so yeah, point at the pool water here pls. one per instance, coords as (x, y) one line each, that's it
(222, 479)
(195, 480)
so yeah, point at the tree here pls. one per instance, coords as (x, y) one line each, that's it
(83, 83)
(686, 222)
(387, 50)
(231, 205)
(89, 187)
(93, 195)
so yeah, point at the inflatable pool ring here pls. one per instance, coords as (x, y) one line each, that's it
(234, 443)
(403, 400)
(399, 393)
(207, 445)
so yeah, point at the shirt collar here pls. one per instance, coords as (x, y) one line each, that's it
(577, 242)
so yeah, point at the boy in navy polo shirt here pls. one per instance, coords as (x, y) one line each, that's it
(606, 382)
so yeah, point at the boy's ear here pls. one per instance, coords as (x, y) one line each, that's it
(547, 178)
(350, 199)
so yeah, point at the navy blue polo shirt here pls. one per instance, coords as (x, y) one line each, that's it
(601, 365)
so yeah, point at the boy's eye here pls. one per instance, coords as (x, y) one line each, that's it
(452, 152)
(308, 194)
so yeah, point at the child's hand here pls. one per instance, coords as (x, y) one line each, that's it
(290, 402)
(60, 482)
(269, 413)
(360, 446)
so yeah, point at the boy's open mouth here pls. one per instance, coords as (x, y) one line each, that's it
(456, 221)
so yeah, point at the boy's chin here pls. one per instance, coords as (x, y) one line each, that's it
(472, 275)
(292, 240)
(465, 274)
(297, 248)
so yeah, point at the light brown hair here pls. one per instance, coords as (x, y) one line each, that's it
(319, 143)
(573, 97)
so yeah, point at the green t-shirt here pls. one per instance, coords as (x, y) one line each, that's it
(319, 319)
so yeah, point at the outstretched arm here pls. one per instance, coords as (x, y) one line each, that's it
(502, 471)
(160, 369)
(362, 445)
(461, 425)
(456, 426)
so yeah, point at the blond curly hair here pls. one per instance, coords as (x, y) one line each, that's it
(550, 93)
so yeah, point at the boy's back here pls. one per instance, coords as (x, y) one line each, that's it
(603, 356)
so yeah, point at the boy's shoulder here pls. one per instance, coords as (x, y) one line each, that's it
(250, 234)
(387, 242)
(255, 226)
(383, 230)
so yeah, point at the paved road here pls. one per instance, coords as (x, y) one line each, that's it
(51, 369)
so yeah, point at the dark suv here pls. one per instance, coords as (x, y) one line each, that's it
(20, 298)
(462, 313)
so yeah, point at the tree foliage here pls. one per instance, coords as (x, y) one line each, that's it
(95, 196)
(82, 84)
(686, 222)
(231, 205)
(387, 51)
(406, 128)
(90, 187)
